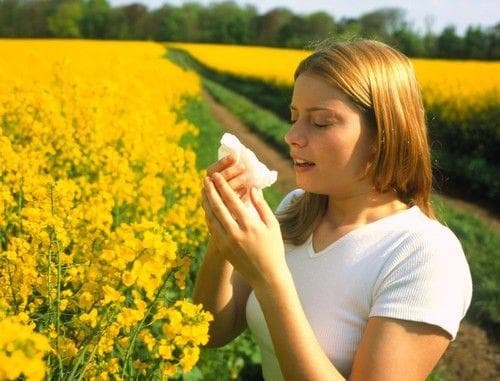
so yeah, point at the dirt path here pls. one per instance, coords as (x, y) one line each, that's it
(472, 356)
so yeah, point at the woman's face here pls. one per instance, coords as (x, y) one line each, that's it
(330, 141)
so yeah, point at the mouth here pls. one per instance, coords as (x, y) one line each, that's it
(303, 163)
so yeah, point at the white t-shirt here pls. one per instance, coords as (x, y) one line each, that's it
(404, 266)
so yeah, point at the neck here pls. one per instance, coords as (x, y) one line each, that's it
(361, 208)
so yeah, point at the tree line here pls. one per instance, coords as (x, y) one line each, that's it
(228, 22)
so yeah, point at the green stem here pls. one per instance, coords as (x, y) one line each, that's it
(49, 296)
(14, 298)
(58, 306)
(153, 369)
(89, 360)
(139, 327)
(20, 204)
(79, 359)
(58, 285)
(86, 343)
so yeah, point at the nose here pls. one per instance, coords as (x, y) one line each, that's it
(295, 137)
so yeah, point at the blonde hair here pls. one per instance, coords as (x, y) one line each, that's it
(381, 82)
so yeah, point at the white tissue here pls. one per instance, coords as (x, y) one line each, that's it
(260, 175)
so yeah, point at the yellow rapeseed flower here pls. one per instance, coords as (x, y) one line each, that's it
(22, 350)
(99, 198)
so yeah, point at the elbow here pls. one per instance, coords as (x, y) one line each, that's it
(214, 343)
(222, 332)
(218, 339)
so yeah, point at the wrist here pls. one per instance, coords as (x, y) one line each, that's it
(274, 282)
(215, 255)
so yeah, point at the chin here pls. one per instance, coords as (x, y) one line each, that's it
(308, 186)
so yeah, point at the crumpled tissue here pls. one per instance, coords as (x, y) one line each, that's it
(259, 175)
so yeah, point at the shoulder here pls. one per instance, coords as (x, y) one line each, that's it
(413, 231)
(425, 275)
(288, 199)
(426, 244)
(426, 235)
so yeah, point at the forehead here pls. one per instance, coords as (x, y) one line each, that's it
(311, 91)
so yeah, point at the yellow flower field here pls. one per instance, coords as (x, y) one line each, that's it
(270, 64)
(100, 209)
(464, 83)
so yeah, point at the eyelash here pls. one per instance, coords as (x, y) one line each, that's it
(315, 124)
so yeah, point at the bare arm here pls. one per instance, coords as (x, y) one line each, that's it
(224, 293)
(394, 349)
(220, 288)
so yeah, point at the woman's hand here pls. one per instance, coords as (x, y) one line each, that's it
(237, 177)
(234, 173)
(253, 244)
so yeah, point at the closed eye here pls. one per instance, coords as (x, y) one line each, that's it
(315, 124)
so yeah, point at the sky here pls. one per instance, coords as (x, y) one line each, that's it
(460, 13)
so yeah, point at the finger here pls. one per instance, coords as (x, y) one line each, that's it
(205, 205)
(218, 208)
(261, 205)
(218, 235)
(221, 164)
(234, 170)
(215, 229)
(209, 216)
(214, 226)
(240, 182)
(231, 199)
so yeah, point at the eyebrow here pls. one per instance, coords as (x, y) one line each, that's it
(315, 108)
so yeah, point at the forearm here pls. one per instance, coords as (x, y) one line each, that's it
(214, 289)
(299, 354)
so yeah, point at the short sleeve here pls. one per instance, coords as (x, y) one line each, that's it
(427, 281)
(288, 199)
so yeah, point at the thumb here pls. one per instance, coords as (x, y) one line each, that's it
(261, 205)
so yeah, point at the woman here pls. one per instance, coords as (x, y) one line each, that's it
(354, 279)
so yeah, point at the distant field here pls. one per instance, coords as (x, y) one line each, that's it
(463, 80)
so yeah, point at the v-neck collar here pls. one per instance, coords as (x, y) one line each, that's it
(357, 231)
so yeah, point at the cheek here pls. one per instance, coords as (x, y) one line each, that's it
(339, 150)
(345, 154)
